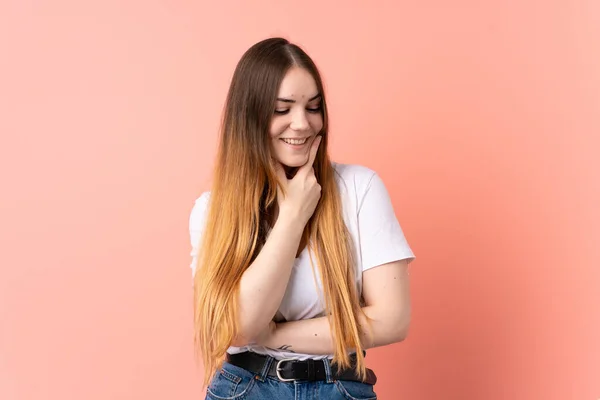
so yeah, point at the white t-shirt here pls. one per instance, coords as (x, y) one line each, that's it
(377, 236)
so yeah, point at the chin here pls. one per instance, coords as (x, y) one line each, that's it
(287, 161)
(293, 164)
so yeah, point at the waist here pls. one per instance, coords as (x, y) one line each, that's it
(290, 370)
(276, 353)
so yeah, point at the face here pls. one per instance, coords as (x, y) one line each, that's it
(296, 119)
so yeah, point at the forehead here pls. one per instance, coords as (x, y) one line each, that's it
(298, 84)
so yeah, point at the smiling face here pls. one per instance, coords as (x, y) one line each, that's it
(297, 118)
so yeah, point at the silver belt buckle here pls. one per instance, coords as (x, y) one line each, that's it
(278, 370)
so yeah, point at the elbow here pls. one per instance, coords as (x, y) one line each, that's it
(240, 341)
(243, 338)
(402, 325)
(388, 326)
(401, 335)
(248, 334)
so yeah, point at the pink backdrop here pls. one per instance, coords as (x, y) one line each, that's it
(483, 118)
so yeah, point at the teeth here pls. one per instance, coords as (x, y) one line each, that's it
(294, 141)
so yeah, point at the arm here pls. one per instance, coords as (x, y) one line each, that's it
(263, 284)
(387, 299)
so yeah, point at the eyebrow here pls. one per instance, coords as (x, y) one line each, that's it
(293, 101)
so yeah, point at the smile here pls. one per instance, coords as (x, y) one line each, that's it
(295, 141)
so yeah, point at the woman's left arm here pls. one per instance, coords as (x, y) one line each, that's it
(387, 305)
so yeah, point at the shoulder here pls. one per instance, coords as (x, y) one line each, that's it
(203, 198)
(354, 178)
(198, 212)
(201, 202)
(353, 171)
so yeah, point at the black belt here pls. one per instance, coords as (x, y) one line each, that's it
(288, 370)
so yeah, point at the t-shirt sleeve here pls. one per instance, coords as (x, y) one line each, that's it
(381, 237)
(197, 221)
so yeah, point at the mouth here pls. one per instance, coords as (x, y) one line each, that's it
(296, 144)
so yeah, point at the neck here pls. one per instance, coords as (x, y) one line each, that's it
(290, 172)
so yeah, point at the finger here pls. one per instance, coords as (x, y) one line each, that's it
(312, 155)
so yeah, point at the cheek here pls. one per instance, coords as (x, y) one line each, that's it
(316, 122)
(277, 127)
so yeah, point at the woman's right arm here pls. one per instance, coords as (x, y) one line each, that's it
(263, 284)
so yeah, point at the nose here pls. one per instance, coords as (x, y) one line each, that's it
(299, 121)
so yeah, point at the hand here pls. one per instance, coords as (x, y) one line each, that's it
(266, 334)
(302, 191)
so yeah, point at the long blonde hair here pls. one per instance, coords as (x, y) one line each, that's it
(242, 200)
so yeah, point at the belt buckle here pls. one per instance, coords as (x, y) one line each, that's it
(278, 370)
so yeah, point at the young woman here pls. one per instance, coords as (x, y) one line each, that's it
(299, 262)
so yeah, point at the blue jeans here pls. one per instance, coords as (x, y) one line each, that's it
(235, 383)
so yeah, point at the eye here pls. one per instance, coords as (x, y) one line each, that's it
(314, 109)
(282, 112)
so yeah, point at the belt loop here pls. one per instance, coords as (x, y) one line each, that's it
(265, 370)
(327, 370)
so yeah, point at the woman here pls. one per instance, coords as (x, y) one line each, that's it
(299, 263)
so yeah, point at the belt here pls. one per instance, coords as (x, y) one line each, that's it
(289, 370)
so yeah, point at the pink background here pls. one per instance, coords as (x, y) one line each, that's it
(483, 118)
